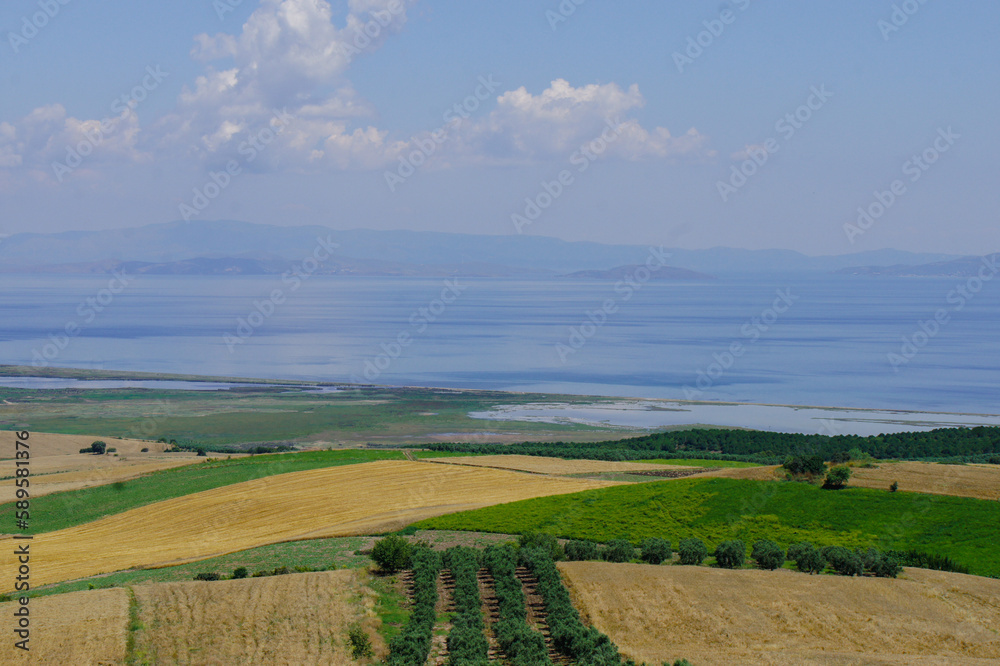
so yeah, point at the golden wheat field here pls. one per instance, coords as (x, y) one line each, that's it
(339, 501)
(48, 444)
(76, 628)
(721, 617)
(542, 465)
(978, 481)
(292, 619)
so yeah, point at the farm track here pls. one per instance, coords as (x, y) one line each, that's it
(537, 616)
(491, 611)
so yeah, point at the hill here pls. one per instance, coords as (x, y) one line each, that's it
(721, 617)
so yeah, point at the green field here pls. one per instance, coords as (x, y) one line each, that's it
(718, 509)
(61, 510)
(691, 462)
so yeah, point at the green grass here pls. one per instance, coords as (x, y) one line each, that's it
(314, 553)
(392, 606)
(61, 510)
(718, 509)
(419, 455)
(692, 462)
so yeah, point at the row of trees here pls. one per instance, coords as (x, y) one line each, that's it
(467, 645)
(980, 444)
(584, 645)
(413, 644)
(523, 645)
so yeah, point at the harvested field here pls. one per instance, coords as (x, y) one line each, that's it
(768, 473)
(293, 619)
(978, 481)
(47, 444)
(541, 465)
(337, 501)
(75, 628)
(85, 471)
(715, 616)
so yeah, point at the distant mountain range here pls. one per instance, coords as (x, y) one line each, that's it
(963, 267)
(228, 247)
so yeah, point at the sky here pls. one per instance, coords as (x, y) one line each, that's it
(826, 128)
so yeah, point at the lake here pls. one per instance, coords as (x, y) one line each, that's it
(804, 340)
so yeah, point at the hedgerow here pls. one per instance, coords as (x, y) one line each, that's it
(466, 643)
(585, 645)
(523, 645)
(414, 643)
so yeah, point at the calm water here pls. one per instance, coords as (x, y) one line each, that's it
(829, 347)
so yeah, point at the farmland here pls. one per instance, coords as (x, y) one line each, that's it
(720, 617)
(715, 509)
(332, 501)
(979, 481)
(542, 465)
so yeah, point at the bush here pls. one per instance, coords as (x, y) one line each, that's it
(208, 576)
(619, 550)
(581, 551)
(843, 561)
(692, 551)
(240, 572)
(767, 554)
(731, 554)
(280, 571)
(392, 553)
(805, 465)
(546, 542)
(144, 449)
(894, 487)
(913, 558)
(837, 478)
(882, 566)
(98, 448)
(655, 551)
(807, 559)
(361, 644)
(112, 450)
(202, 453)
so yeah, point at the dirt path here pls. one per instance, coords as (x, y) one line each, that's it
(438, 655)
(491, 611)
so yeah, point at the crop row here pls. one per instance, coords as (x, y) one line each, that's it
(467, 645)
(523, 645)
(413, 644)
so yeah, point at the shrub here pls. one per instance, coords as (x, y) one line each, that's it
(837, 478)
(913, 558)
(144, 449)
(580, 551)
(240, 572)
(546, 542)
(361, 644)
(202, 453)
(208, 576)
(392, 553)
(619, 550)
(280, 571)
(112, 450)
(805, 465)
(882, 566)
(692, 551)
(655, 551)
(894, 487)
(843, 561)
(767, 554)
(731, 554)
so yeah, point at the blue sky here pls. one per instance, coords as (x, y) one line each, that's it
(354, 114)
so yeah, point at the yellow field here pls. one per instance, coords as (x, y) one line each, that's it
(293, 619)
(46, 444)
(338, 501)
(978, 481)
(77, 628)
(541, 465)
(715, 616)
